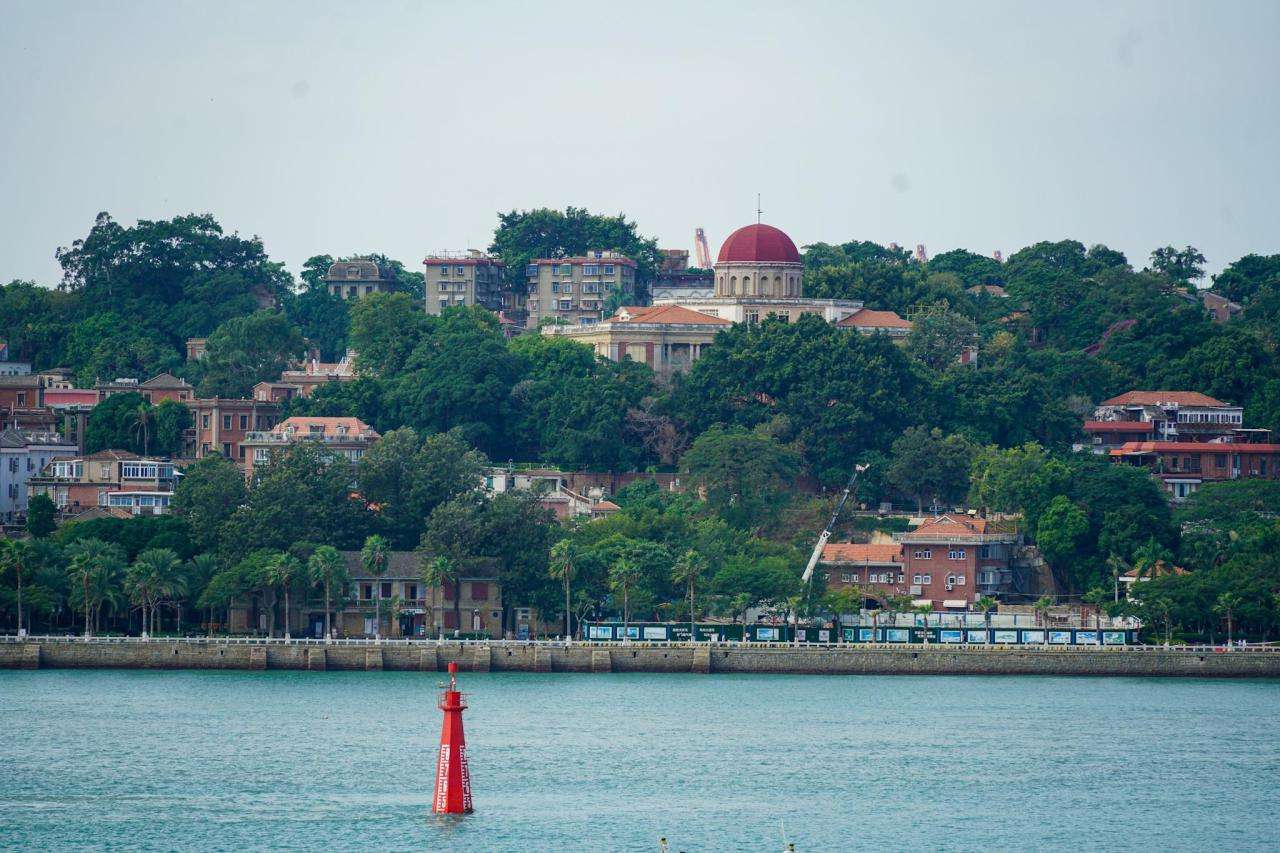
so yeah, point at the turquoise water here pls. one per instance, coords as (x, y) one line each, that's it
(307, 761)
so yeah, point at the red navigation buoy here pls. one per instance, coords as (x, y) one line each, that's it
(453, 781)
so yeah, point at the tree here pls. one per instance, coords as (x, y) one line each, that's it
(1184, 267)
(938, 338)
(142, 418)
(1246, 278)
(561, 565)
(153, 577)
(743, 473)
(985, 605)
(16, 555)
(440, 571)
(623, 576)
(1042, 606)
(1060, 533)
(201, 570)
(844, 600)
(688, 570)
(375, 559)
(207, 496)
(328, 570)
(927, 465)
(244, 351)
(93, 569)
(170, 420)
(385, 330)
(41, 515)
(110, 424)
(1228, 604)
(285, 570)
(1099, 598)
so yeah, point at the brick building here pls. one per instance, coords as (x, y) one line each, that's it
(868, 322)
(220, 425)
(1182, 466)
(1166, 416)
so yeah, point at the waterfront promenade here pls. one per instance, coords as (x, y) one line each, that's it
(248, 653)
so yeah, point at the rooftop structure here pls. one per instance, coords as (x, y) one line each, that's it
(357, 277)
(869, 322)
(1166, 416)
(346, 436)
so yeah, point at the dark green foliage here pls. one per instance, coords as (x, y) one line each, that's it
(207, 495)
(244, 351)
(128, 422)
(743, 473)
(41, 513)
(132, 535)
(170, 420)
(971, 269)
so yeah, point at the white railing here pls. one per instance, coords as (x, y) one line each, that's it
(406, 642)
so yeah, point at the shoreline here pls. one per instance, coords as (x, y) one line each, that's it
(585, 657)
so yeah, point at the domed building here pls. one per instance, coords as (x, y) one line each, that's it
(760, 274)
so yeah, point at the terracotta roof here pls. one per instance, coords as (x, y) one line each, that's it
(1117, 426)
(1157, 398)
(355, 427)
(758, 243)
(865, 318)
(666, 314)
(951, 525)
(857, 552)
(1130, 447)
(606, 506)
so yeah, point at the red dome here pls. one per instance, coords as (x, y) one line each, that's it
(759, 243)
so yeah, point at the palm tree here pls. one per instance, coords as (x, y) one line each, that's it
(561, 567)
(439, 571)
(16, 554)
(374, 559)
(284, 571)
(986, 604)
(156, 575)
(688, 570)
(924, 610)
(622, 577)
(142, 417)
(1041, 607)
(92, 569)
(200, 573)
(842, 601)
(1227, 604)
(893, 605)
(1098, 598)
(327, 568)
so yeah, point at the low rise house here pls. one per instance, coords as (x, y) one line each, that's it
(554, 493)
(23, 454)
(115, 479)
(1183, 466)
(1166, 416)
(358, 277)
(303, 380)
(163, 386)
(668, 338)
(868, 322)
(349, 437)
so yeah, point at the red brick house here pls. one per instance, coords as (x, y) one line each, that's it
(1182, 466)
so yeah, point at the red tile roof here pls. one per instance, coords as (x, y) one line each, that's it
(1130, 447)
(666, 314)
(355, 428)
(1117, 426)
(856, 552)
(865, 318)
(1156, 398)
(951, 525)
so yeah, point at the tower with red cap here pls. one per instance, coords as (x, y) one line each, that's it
(453, 779)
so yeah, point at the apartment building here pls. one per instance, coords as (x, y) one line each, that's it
(116, 479)
(1166, 416)
(222, 424)
(23, 454)
(349, 437)
(575, 290)
(463, 278)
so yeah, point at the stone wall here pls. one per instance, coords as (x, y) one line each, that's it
(497, 657)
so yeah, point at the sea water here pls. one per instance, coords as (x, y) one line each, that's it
(345, 761)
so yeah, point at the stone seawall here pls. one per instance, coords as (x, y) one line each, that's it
(500, 657)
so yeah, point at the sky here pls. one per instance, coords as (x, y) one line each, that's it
(404, 127)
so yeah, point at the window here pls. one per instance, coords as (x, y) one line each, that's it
(531, 270)
(353, 272)
(244, 422)
(923, 554)
(915, 579)
(444, 270)
(479, 591)
(956, 554)
(411, 592)
(566, 269)
(591, 287)
(204, 421)
(22, 398)
(226, 421)
(566, 304)
(241, 450)
(386, 589)
(459, 270)
(928, 579)
(567, 287)
(751, 317)
(1219, 460)
(959, 580)
(260, 455)
(591, 269)
(902, 578)
(608, 269)
(226, 449)
(845, 577)
(444, 287)
(366, 591)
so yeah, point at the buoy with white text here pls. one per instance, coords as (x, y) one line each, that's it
(453, 781)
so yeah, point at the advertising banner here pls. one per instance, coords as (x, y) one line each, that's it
(976, 636)
(599, 632)
(658, 632)
(896, 635)
(1010, 637)
(1113, 638)
(1060, 637)
(1033, 636)
(866, 635)
(1086, 638)
(767, 635)
(951, 636)
(630, 632)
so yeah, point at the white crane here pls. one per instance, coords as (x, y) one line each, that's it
(835, 516)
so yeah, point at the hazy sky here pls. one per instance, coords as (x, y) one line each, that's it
(403, 127)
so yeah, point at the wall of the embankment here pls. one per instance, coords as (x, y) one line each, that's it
(212, 654)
